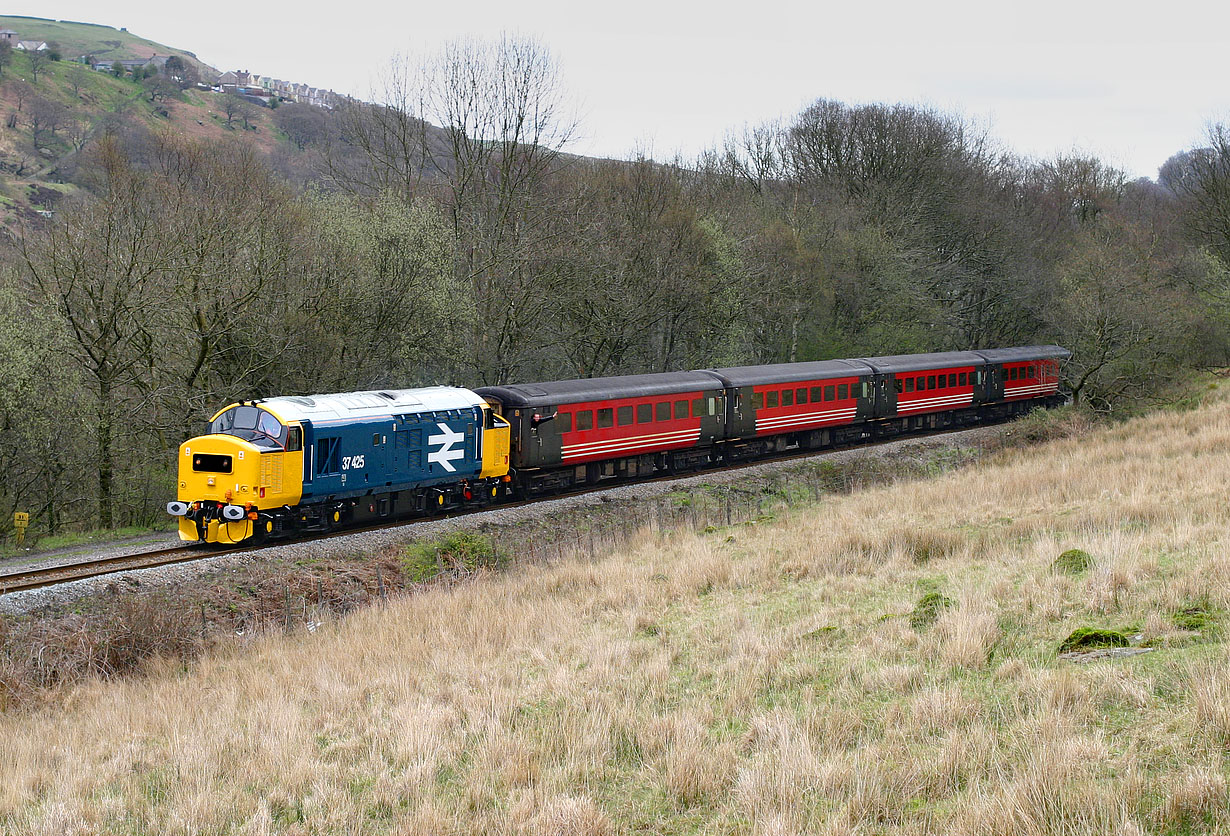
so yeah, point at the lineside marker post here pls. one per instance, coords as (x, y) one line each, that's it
(21, 520)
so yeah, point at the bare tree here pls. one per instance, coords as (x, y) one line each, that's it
(44, 117)
(39, 60)
(6, 55)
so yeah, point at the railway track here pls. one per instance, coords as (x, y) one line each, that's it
(44, 576)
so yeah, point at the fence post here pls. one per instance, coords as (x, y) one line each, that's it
(380, 582)
(286, 608)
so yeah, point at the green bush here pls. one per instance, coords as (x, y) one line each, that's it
(456, 554)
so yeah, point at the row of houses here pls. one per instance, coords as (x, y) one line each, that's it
(244, 83)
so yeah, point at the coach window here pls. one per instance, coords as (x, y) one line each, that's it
(800, 396)
(770, 400)
(606, 418)
(663, 411)
(930, 381)
(563, 422)
(962, 379)
(829, 392)
(787, 397)
(585, 420)
(681, 409)
(909, 384)
(644, 413)
(623, 415)
(758, 400)
(843, 391)
(816, 394)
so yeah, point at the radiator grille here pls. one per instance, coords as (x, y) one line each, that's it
(271, 472)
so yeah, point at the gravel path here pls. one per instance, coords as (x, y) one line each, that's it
(372, 542)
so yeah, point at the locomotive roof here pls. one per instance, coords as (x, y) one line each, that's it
(921, 362)
(600, 388)
(791, 372)
(1025, 352)
(370, 404)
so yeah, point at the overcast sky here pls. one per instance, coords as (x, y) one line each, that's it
(1129, 84)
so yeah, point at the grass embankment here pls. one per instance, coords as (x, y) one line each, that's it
(884, 662)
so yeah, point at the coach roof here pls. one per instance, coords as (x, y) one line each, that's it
(1024, 353)
(791, 372)
(600, 388)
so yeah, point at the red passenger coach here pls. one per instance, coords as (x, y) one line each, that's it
(809, 404)
(571, 432)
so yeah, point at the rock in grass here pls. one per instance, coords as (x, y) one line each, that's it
(1072, 562)
(1084, 638)
(928, 609)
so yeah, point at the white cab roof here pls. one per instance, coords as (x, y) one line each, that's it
(371, 404)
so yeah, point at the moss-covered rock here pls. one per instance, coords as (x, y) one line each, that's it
(1072, 562)
(1195, 619)
(928, 609)
(1087, 638)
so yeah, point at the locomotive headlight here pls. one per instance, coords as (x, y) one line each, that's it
(233, 512)
(177, 509)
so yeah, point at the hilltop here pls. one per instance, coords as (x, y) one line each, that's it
(889, 662)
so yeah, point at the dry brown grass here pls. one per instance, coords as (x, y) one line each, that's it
(761, 679)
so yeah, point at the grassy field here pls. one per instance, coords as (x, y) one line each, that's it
(883, 662)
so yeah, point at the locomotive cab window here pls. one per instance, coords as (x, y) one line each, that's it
(585, 420)
(897, 384)
(294, 439)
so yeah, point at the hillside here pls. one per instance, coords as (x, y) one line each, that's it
(885, 662)
(77, 39)
(51, 115)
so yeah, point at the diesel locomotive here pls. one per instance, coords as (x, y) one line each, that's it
(278, 466)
